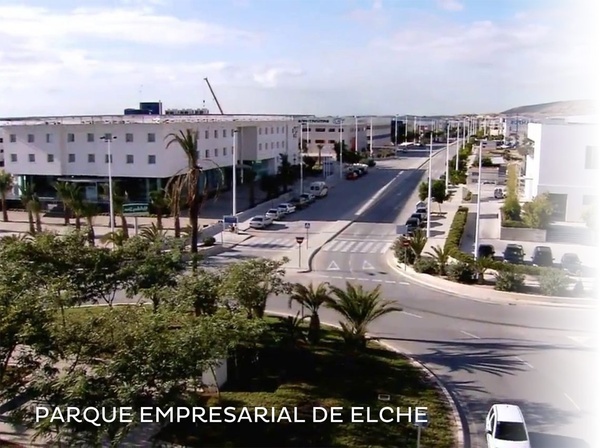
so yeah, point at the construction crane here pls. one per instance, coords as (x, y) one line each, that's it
(212, 92)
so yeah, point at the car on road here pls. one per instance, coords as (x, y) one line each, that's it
(260, 222)
(505, 427)
(514, 253)
(412, 224)
(486, 250)
(298, 202)
(571, 263)
(319, 189)
(286, 208)
(274, 213)
(419, 219)
(351, 175)
(422, 211)
(309, 198)
(542, 256)
(499, 193)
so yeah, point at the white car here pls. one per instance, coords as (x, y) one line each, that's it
(274, 213)
(260, 222)
(286, 208)
(505, 427)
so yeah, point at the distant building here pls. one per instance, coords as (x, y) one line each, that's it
(515, 127)
(564, 162)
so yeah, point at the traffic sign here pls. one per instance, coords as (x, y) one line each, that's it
(406, 243)
(401, 230)
(299, 239)
(230, 220)
(307, 225)
(135, 209)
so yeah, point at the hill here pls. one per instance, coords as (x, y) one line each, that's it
(559, 108)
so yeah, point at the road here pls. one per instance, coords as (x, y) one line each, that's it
(536, 357)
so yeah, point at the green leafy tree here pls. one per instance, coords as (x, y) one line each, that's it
(537, 214)
(481, 265)
(423, 191)
(88, 211)
(553, 282)
(251, 282)
(6, 185)
(174, 191)
(310, 162)
(200, 292)
(511, 209)
(439, 193)
(285, 172)
(312, 299)
(359, 309)
(32, 204)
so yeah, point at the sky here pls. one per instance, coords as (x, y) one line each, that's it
(322, 57)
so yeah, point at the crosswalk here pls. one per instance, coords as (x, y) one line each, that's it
(358, 246)
(268, 243)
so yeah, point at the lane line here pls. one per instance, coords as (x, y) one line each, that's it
(403, 283)
(471, 335)
(518, 358)
(390, 281)
(412, 315)
(377, 281)
(378, 195)
(350, 278)
(573, 402)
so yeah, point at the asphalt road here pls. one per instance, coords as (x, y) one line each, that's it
(540, 358)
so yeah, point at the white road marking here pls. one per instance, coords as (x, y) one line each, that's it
(333, 266)
(390, 281)
(403, 283)
(368, 246)
(379, 193)
(412, 315)
(378, 281)
(471, 335)
(367, 266)
(347, 246)
(573, 402)
(523, 361)
(350, 278)
(386, 247)
(337, 277)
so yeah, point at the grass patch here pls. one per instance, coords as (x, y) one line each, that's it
(290, 374)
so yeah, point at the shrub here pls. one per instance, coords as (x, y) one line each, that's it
(537, 214)
(509, 281)
(457, 228)
(511, 210)
(426, 265)
(403, 254)
(468, 196)
(553, 282)
(511, 223)
(209, 241)
(461, 272)
(371, 163)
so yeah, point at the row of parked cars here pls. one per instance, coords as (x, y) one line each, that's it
(418, 219)
(356, 170)
(542, 256)
(282, 210)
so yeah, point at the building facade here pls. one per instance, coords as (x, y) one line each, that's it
(515, 126)
(45, 150)
(564, 162)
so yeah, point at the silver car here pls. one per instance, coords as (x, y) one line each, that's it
(286, 208)
(274, 213)
(260, 222)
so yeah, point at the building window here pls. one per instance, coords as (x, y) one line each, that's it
(330, 130)
(216, 152)
(259, 131)
(90, 137)
(224, 152)
(108, 136)
(592, 162)
(332, 142)
(13, 138)
(277, 145)
(206, 134)
(106, 158)
(71, 158)
(320, 142)
(266, 131)
(70, 137)
(320, 130)
(232, 132)
(272, 130)
(30, 138)
(224, 133)
(129, 158)
(48, 138)
(151, 137)
(151, 159)
(129, 138)
(50, 158)
(91, 158)
(13, 158)
(216, 133)
(260, 146)
(207, 154)
(283, 144)
(31, 158)
(272, 145)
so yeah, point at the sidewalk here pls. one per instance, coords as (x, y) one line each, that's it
(441, 223)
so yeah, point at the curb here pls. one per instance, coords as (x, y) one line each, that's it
(352, 221)
(510, 298)
(459, 424)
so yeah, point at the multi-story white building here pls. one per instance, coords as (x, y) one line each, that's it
(564, 162)
(44, 150)
(324, 132)
(515, 127)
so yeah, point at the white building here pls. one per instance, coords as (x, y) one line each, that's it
(324, 132)
(43, 150)
(515, 126)
(565, 163)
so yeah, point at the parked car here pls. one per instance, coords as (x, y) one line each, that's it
(486, 250)
(499, 193)
(505, 427)
(514, 253)
(274, 213)
(412, 224)
(298, 202)
(351, 175)
(542, 256)
(422, 211)
(286, 208)
(260, 222)
(308, 197)
(417, 216)
(571, 263)
(319, 189)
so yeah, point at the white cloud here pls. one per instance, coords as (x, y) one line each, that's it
(375, 15)
(274, 76)
(451, 5)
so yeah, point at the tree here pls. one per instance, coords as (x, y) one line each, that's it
(159, 202)
(201, 291)
(423, 191)
(347, 156)
(6, 184)
(310, 162)
(438, 193)
(285, 171)
(31, 202)
(65, 192)
(312, 299)
(250, 177)
(537, 214)
(441, 255)
(359, 309)
(173, 196)
(319, 148)
(481, 265)
(270, 185)
(250, 283)
(89, 211)
(418, 241)
(153, 233)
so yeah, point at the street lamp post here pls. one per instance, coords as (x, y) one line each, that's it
(371, 139)
(234, 173)
(478, 205)
(396, 131)
(356, 133)
(429, 189)
(108, 138)
(447, 156)
(457, 145)
(341, 151)
(301, 161)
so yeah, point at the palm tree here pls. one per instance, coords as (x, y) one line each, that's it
(312, 299)
(119, 198)
(89, 211)
(116, 238)
(190, 178)
(153, 233)
(30, 201)
(359, 308)
(293, 330)
(441, 255)
(173, 197)
(481, 265)
(418, 242)
(159, 200)
(320, 148)
(6, 184)
(64, 193)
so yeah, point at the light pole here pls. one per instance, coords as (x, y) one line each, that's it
(447, 156)
(414, 129)
(457, 145)
(406, 129)
(356, 133)
(108, 138)
(371, 139)
(234, 173)
(341, 151)
(478, 205)
(301, 161)
(396, 131)
(429, 190)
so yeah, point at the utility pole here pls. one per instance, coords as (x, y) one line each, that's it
(234, 174)
(447, 156)
(108, 138)
(341, 151)
(429, 190)
(478, 205)
(301, 161)
(371, 139)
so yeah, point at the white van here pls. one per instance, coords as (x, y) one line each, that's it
(319, 189)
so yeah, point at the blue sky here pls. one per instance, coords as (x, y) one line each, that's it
(293, 56)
